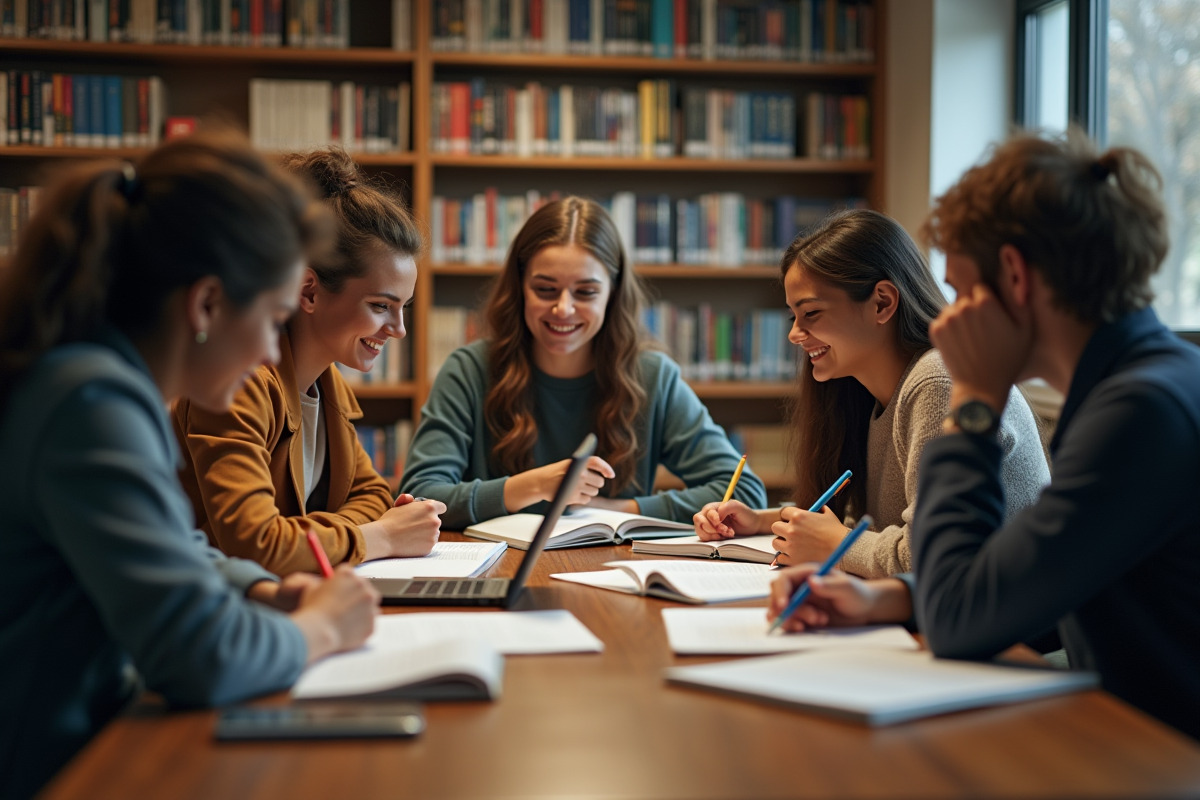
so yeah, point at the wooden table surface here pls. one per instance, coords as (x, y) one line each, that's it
(607, 725)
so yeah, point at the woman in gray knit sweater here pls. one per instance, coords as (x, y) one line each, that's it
(872, 392)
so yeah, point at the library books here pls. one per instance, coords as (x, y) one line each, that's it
(682, 581)
(446, 560)
(449, 669)
(300, 114)
(743, 631)
(582, 527)
(53, 109)
(757, 549)
(879, 687)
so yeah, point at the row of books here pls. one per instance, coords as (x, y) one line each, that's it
(393, 365)
(449, 328)
(62, 110)
(17, 205)
(298, 114)
(246, 23)
(713, 345)
(765, 447)
(485, 117)
(791, 30)
(718, 228)
(387, 447)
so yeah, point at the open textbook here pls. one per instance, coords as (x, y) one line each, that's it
(758, 548)
(447, 560)
(684, 581)
(583, 526)
(880, 687)
(743, 631)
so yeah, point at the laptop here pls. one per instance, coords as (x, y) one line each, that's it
(501, 592)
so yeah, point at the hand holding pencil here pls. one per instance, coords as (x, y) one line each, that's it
(728, 518)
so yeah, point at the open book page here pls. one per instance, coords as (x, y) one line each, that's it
(444, 670)
(582, 526)
(759, 548)
(448, 560)
(685, 581)
(743, 631)
(880, 687)
(509, 632)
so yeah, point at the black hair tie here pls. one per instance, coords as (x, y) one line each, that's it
(128, 184)
(1101, 170)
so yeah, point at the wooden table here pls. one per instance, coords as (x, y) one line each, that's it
(608, 726)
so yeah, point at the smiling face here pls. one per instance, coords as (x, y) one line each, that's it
(566, 292)
(841, 337)
(355, 323)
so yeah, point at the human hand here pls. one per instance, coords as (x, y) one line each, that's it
(406, 530)
(290, 591)
(984, 346)
(802, 535)
(338, 614)
(541, 483)
(725, 520)
(836, 599)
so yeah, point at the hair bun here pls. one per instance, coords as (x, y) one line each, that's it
(331, 169)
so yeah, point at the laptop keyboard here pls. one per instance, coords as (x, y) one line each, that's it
(452, 588)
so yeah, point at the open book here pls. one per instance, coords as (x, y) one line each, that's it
(447, 560)
(583, 526)
(880, 687)
(758, 549)
(683, 581)
(449, 669)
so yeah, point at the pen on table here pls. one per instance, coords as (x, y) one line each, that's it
(322, 560)
(802, 591)
(833, 489)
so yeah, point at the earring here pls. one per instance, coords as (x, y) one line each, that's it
(201, 337)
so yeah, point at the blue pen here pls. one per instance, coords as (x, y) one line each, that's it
(801, 593)
(816, 507)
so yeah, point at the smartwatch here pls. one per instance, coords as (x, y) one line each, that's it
(976, 417)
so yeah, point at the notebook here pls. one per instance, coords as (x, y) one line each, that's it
(758, 549)
(583, 526)
(880, 687)
(448, 669)
(448, 560)
(682, 581)
(743, 631)
(489, 591)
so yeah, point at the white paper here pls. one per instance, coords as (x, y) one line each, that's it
(510, 632)
(743, 631)
(448, 560)
(372, 669)
(711, 581)
(614, 579)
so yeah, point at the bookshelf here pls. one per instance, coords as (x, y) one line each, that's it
(205, 79)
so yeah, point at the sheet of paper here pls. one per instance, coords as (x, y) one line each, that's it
(614, 579)
(743, 631)
(448, 560)
(371, 669)
(510, 632)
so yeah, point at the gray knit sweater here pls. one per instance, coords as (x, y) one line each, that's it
(895, 440)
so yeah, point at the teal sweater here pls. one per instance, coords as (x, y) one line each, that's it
(448, 459)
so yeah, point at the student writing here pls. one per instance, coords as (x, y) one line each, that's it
(285, 454)
(131, 288)
(872, 393)
(566, 356)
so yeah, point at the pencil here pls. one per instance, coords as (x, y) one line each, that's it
(319, 552)
(737, 473)
(801, 593)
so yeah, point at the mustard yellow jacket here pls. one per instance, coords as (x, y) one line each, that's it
(243, 471)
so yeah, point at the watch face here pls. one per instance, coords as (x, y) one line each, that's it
(976, 417)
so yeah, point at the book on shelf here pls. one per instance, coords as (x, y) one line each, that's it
(386, 446)
(757, 549)
(880, 687)
(683, 581)
(743, 631)
(52, 109)
(583, 526)
(448, 669)
(447, 560)
(299, 114)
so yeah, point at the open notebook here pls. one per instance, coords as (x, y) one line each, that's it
(683, 581)
(758, 549)
(880, 687)
(583, 526)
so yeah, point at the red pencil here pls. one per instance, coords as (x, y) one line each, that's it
(319, 552)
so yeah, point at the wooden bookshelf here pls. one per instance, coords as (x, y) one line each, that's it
(202, 79)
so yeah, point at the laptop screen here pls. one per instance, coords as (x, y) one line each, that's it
(557, 506)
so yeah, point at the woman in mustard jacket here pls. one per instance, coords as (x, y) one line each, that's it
(286, 454)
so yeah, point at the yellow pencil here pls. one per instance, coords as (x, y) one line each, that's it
(737, 473)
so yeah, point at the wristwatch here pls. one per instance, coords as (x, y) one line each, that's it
(975, 417)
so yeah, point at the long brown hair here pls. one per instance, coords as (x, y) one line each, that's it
(853, 251)
(112, 241)
(366, 214)
(508, 406)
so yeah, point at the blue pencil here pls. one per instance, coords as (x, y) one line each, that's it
(801, 593)
(830, 492)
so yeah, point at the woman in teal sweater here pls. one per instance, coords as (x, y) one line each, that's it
(566, 357)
